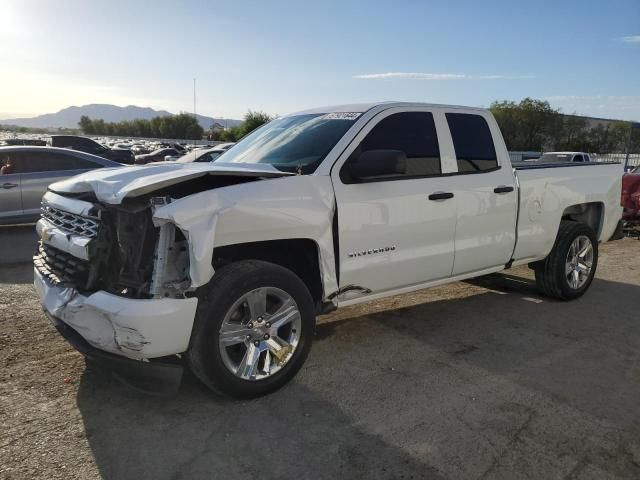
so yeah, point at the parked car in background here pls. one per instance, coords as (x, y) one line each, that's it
(140, 149)
(181, 149)
(206, 154)
(631, 197)
(155, 156)
(26, 172)
(88, 145)
(564, 157)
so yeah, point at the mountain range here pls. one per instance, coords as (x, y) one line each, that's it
(70, 116)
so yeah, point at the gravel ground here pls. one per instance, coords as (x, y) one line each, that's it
(482, 379)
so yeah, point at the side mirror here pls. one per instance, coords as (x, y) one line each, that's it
(377, 163)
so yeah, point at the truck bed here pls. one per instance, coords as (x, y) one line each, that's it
(550, 192)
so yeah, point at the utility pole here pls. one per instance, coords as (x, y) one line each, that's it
(194, 104)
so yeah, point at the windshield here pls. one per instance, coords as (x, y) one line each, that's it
(555, 158)
(295, 144)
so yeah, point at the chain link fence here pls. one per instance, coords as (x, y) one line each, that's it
(634, 158)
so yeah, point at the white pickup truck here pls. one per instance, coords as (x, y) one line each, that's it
(224, 266)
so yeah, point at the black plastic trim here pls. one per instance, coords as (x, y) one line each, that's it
(618, 233)
(335, 227)
(415, 177)
(441, 196)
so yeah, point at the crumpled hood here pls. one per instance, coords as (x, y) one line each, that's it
(111, 185)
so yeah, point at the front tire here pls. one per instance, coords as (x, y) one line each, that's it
(253, 329)
(568, 270)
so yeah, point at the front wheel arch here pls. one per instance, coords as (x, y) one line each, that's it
(299, 255)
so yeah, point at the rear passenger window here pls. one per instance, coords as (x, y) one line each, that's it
(473, 143)
(414, 134)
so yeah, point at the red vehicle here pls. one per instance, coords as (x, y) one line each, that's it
(631, 197)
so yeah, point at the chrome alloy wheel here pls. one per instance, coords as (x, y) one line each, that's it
(260, 333)
(579, 262)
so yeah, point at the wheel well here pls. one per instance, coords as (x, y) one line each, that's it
(590, 214)
(298, 255)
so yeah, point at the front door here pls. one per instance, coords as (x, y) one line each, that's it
(397, 229)
(10, 199)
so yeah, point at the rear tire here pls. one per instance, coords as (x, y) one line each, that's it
(240, 344)
(568, 270)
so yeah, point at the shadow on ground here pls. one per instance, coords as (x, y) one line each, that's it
(19, 274)
(17, 244)
(500, 384)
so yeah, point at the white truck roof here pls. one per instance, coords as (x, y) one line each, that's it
(363, 107)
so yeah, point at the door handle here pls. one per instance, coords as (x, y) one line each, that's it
(440, 196)
(503, 189)
(7, 185)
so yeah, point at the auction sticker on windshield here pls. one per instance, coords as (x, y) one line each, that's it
(342, 115)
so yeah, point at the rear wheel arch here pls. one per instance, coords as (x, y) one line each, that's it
(590, 214)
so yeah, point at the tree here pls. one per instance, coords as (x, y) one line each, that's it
(620, 132)
(182, 126)
(573, 134)
(251, 121)
(231, 134)
(528, 125)
(86, 125)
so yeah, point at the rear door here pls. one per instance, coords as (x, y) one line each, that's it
(398, 230)
(485, 194)
(41, 168)
(10, 200)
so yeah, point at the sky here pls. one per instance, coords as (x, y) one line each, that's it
(283, 56)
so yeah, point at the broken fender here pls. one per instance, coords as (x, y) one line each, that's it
(277, 209)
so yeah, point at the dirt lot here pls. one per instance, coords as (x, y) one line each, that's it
(472, 380)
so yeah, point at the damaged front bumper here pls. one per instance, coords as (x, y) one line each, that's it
(134, 328)
(123, 334)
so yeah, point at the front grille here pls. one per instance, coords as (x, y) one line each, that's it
(61, 268)
(70, 222)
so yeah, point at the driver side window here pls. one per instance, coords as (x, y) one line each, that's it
(407, 139)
